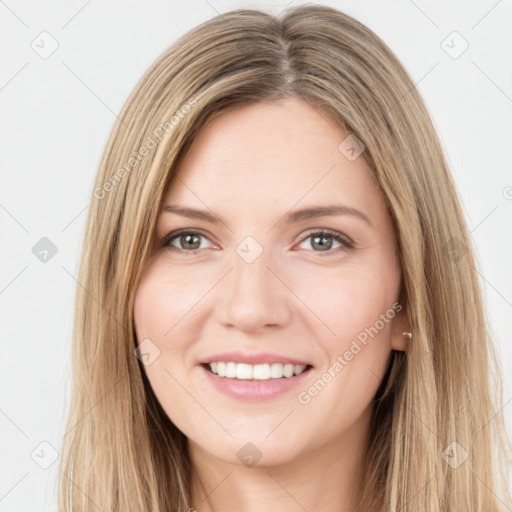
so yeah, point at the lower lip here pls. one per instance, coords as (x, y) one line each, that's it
(254, 389)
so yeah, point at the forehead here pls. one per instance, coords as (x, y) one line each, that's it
(272, 156)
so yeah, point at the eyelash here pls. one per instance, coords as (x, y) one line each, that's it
(339, 237)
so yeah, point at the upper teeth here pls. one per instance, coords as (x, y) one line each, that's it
(258, 371)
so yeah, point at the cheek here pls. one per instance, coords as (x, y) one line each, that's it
(162, 302)
(350, 301)
(356, 308)
(158, 310)
(150, 309)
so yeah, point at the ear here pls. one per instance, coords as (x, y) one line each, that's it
(400, 325)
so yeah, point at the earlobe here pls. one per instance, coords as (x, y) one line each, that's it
(401, 335)
(402, 341)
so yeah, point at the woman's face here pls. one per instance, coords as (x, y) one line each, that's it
(263, 285)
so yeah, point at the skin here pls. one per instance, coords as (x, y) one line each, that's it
(251, 167)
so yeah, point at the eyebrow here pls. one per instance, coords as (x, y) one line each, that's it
(290, 218)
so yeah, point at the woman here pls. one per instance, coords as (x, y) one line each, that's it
(279, 307)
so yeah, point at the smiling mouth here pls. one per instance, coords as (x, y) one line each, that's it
(257, 372)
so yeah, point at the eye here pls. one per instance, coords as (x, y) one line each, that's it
(320, 239)
(188, 239)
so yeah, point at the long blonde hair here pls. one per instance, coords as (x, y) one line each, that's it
(120, 451)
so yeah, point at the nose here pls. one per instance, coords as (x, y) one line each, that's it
(254, 295)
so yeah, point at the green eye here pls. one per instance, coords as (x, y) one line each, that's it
(184, 237)
(319, 237)
(190, 241)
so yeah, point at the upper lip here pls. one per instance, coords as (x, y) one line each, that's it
(256, 358)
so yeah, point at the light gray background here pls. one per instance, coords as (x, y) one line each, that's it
(58, 111)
